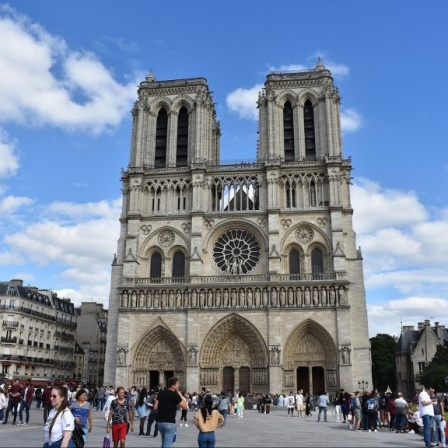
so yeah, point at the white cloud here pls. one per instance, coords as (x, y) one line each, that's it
(10, 204)
(351, 120)
(9, 160)
(387, 317)
(244, 101)
(379, 208)
(43, 82)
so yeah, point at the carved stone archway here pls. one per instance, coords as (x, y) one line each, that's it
(234, 343)
(158, 351)
(310, 348)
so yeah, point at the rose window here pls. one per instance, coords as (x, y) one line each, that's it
(236, 252)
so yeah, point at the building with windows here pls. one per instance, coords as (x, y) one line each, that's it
(415, 350)
(91, 337)
(37, 333)
(241, 275)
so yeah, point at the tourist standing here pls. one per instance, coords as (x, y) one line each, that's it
(3, 404)
(183, 414)
(46, 401)
(82, 412)
(15, 397)
(166, 404)
(322, 404)
(299, 403)
(38, 396)
(240, 405)
(290, 400)
(27, 400)
(401, 410)
(438, 420)
(426, 410)
(60, 423)
(152, 417)
(119, 419)
(207, 420)
(142, 409)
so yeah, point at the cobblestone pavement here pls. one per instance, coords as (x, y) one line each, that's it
(254, 430)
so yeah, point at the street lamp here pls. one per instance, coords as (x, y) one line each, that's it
(363, 385)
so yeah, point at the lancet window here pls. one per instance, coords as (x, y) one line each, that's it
(179, 264)
(288, 131)
(305, 191)
(317, 261)
(161, 139)
(310, 136)
(182, 138)
(155, 270)
(294, 262)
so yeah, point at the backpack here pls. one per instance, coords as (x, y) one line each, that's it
(38, 393)
(371, 405)
(383, 401)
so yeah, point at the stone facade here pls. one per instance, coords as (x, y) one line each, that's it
(91, 336)
(241, 276)
(415, 350)
(37, 333)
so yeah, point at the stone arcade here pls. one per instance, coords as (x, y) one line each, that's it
(245, 275)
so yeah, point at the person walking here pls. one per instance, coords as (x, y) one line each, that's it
(240, 405)
(438, 422)
(322, 404)
(82, 412)
(401, 410)
(426, 410)
(120, 419)
(60, 424)
(207, 420)
(27, 400)
(224, 406)
(3, 404)
(38, 396)
(183, 415)
(166, 404)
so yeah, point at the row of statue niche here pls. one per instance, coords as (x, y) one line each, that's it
(236, 298)
(209, 376)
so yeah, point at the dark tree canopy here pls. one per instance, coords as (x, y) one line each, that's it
(383, 361)
(437, 370)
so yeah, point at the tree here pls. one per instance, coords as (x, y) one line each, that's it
(437, 370)
(383, 361)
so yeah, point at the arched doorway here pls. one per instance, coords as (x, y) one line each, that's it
(158, 356)
(310, 359)
(234, 355)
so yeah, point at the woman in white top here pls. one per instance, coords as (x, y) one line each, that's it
(60, 424)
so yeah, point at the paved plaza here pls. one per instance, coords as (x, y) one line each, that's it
(254, 430)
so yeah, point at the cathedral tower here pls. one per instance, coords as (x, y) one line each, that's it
(242, 276)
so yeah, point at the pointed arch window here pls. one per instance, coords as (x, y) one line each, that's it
(294, 262)
(288, 131)
(156, 265)
(310, 138)
(182, 138)
(179, 264)
(161, 139)
(317, 261)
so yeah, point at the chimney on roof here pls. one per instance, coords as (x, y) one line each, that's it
(408, 327)
(421, 325)
(17, 281)
(427, 323)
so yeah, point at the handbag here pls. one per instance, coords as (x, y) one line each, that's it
(106, 442)
(78, 436)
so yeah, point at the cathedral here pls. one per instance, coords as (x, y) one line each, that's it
(244, 275)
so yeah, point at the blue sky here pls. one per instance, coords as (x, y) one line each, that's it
(68, 78)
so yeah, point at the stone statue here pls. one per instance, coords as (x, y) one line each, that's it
(226, 298)
(315, 297)
(134, 300)
(171, 299)
(233, 298)
(178, 299)
(265, 297)
(218, 298)
(257, 297)
(201, 298)
(210, 298)
(142, 299)
(299, 296)
(342, 296)
(242, 298)
(156, 299)
(290, 297)
(121, 357)
(307, 300)
(274, 297)
(194, 299)
(345, 352)
(324, 296)
(163, 299)
(249, 298)
(282, 297)
(332, 296)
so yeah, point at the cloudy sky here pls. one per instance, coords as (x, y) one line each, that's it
(68, 78)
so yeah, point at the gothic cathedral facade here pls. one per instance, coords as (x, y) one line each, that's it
(238, 276)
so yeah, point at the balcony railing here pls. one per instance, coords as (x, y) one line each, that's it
(217, 279)
(10, 324)
(12, 340)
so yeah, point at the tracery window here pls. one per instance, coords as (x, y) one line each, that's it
(156, 265)
(317, 261)
(236, 252)
(310, 138)
(182, 138)
(288, 131)
(161, 139)
(291, 196)
(235, 193)
(179, 264)
(294, 262)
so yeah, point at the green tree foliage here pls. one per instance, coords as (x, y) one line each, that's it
(437, 370)
(383, 361)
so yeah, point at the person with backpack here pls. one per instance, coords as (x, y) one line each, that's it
(372, 412)
(38, 396)
(207, 420)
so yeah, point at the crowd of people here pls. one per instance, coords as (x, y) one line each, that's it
(66, 410)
